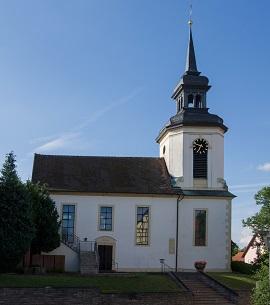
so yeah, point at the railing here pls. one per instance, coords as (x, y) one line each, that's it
(70, 239)
(186, 270)
(88, 246)
(115, 265)
(167, 268)
(74, 242)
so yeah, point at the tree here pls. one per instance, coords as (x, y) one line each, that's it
(261, 294)
(234, 248)
(260, 224)
(16, 226)
(45, 218)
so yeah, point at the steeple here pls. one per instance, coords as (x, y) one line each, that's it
(191, 66)
(190, 97)
(190, 92)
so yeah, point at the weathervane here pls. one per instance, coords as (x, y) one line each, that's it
(190, 15)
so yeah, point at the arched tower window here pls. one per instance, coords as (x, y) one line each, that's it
(198, 103)
(178, 105)
(190, 99)
(200, 153)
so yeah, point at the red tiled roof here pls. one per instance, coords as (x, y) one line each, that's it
(239, 257)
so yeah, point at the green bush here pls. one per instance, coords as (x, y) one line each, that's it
(34, 265)
(242, 267)
(20, 269)
(261, 294)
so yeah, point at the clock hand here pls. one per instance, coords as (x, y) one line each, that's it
(199, 148)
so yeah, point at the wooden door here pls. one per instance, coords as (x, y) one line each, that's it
(105, 257)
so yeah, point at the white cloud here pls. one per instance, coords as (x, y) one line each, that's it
(96, 115)
(68, 139)
(62, 142)
(264, 167)
(42, 139)
(245, 237)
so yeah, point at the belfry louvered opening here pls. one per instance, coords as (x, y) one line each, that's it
(200, 165)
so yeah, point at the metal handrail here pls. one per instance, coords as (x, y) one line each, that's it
(70, 239)
(169, 268)
(88, 246)
(115, 264)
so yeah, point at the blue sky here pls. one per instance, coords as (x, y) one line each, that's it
(94, 77)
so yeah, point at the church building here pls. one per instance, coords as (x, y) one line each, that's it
(128, 213)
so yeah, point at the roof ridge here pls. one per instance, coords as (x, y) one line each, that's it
(91, 156)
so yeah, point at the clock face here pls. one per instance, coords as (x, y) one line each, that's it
(200, 146)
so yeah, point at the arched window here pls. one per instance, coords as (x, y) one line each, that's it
(190, 99)
(178, 105)
(200, 153)
(198, 103)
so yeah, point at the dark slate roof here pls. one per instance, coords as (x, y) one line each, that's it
(208, 193)
(191, 78)
(191, 66)
(135, 175)
(193, 117)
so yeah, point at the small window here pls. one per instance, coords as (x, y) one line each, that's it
(198, 101)
(68, 219)
(178, 105)
(142, 228)
(200, 227)
(105, 219)
(190, 99)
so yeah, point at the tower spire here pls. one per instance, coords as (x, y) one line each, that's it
(191, 66)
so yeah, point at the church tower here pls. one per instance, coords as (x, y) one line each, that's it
(192, 141)
(192, 145)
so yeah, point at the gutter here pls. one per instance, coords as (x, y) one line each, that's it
(180, 197)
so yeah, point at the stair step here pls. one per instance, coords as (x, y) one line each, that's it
(203, 294)
(89, 263)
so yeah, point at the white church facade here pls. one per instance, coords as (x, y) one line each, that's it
(136, 211)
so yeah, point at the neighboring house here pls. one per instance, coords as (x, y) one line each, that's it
(251, 252)
(238, 257)
(135, 210)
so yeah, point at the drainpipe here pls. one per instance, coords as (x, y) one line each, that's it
(181, 197)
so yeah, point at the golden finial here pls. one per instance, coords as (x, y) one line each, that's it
(190, 14)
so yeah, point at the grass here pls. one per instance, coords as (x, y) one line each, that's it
(142, 282)
(133, 283)
(234, 280)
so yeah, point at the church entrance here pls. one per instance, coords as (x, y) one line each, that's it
(105, 257)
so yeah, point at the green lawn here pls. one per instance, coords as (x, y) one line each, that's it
(133, 283)
(142, 282)
(234, 280)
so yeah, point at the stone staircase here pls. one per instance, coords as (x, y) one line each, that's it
(86, 249)
(203, 293)
(89, 262)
